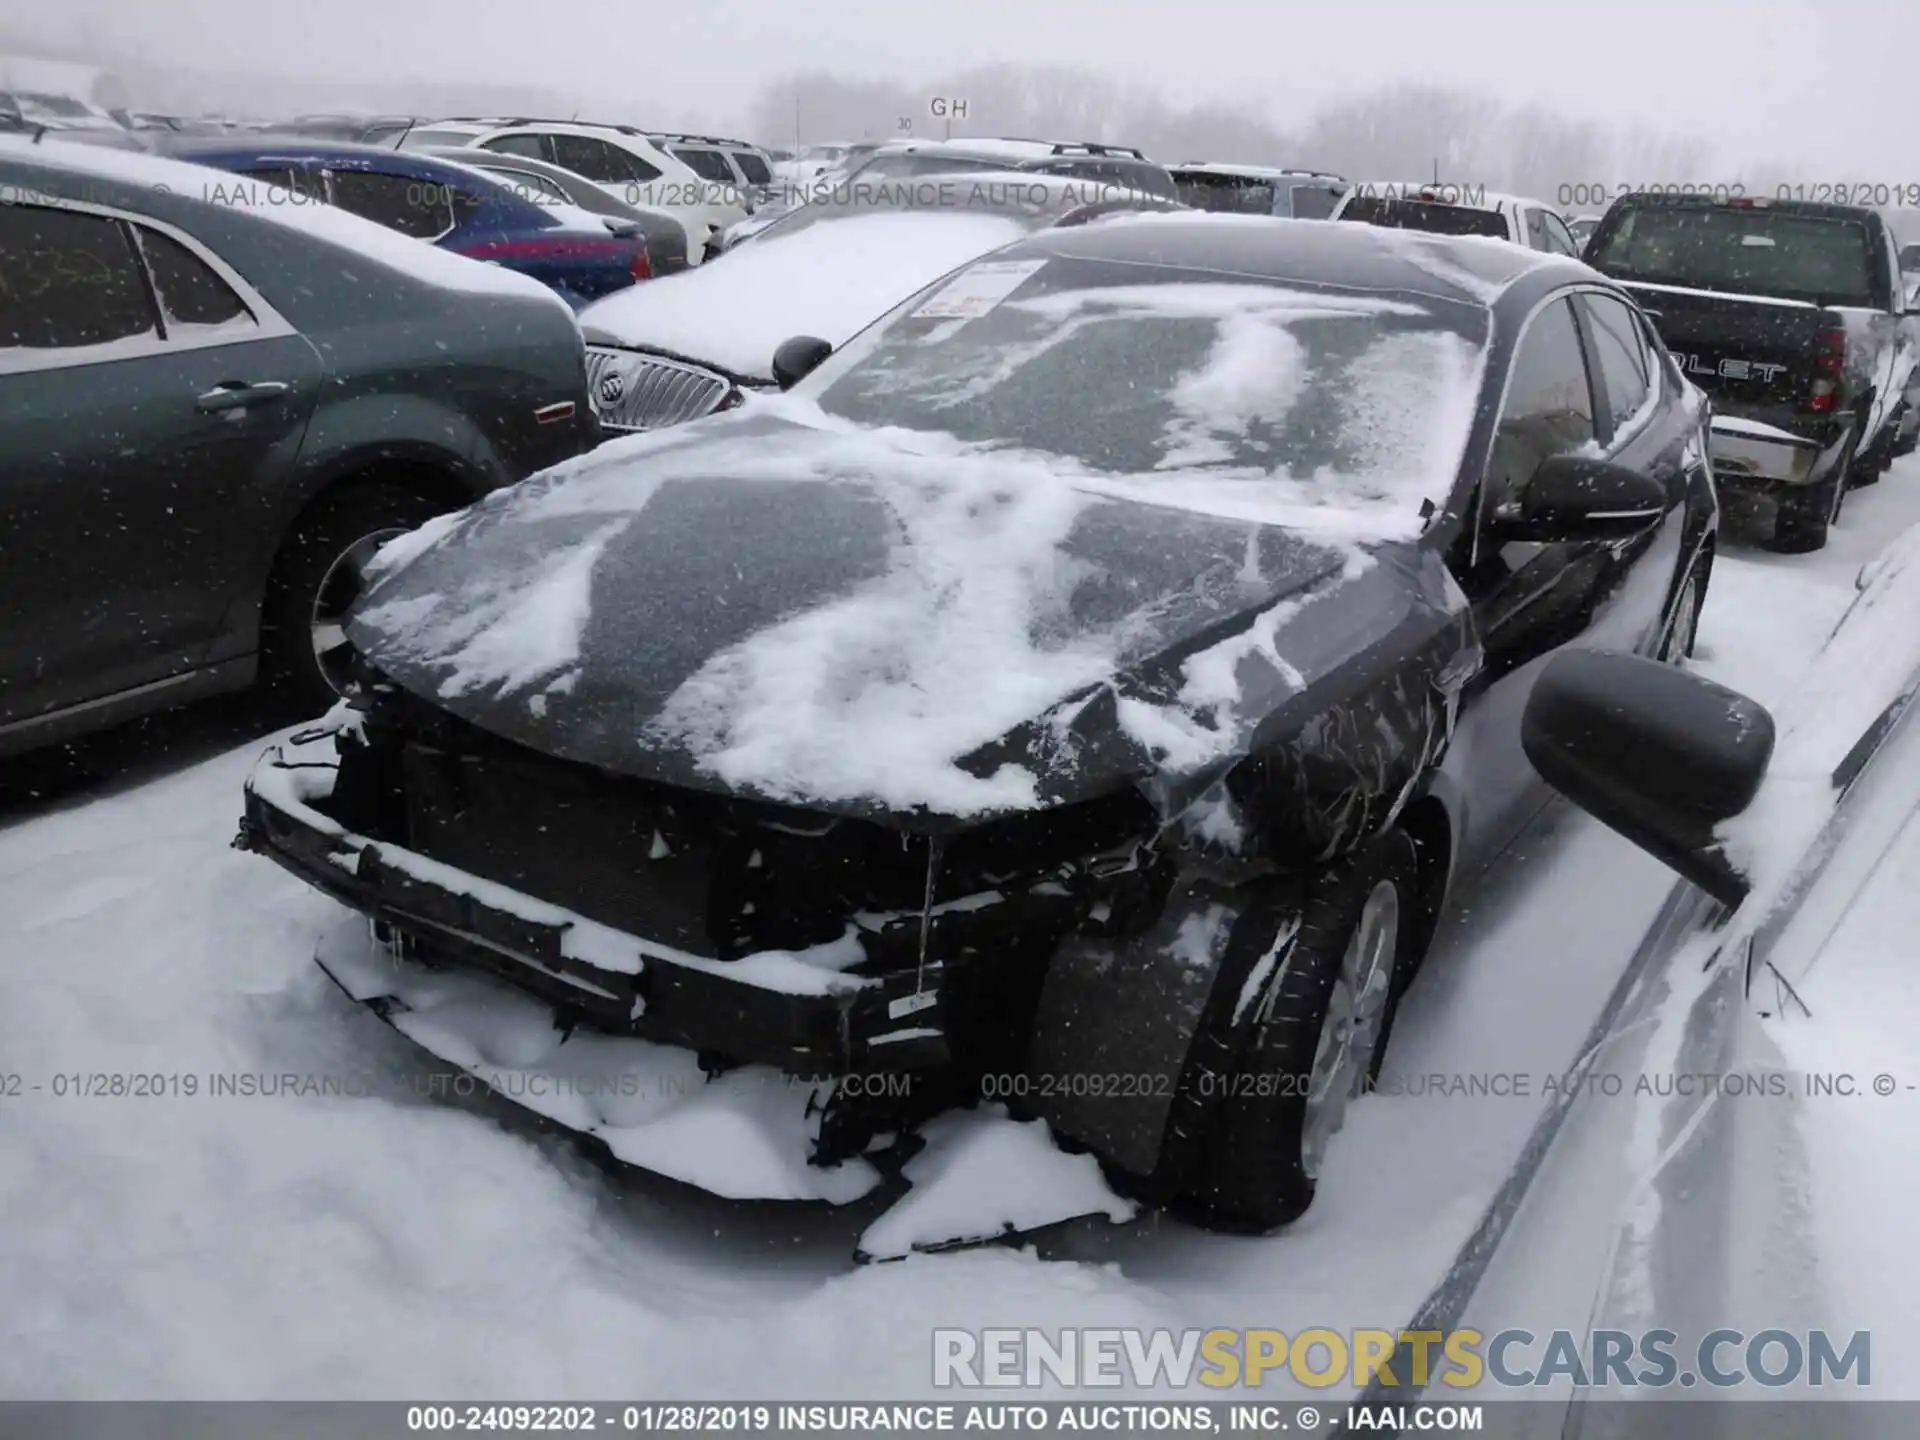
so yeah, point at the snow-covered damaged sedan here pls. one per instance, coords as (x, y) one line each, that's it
(1081, 694)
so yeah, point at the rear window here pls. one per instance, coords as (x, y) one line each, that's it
(1315, 202)
(1134, 175)
(910, 163)
(1227, 194)
(422, 139)
(1435, 217)
(752, 166)
(707, 164)
(1753, 252)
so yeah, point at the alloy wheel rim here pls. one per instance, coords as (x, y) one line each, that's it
(1351, 1031)
(340, 587)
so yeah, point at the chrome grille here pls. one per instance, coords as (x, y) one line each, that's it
(632, 391)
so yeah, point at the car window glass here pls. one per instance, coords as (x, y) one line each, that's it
(1314, 202)
(304, 183)
(1559, 238)
(707, 164)
(752, 166)
(1438, 217)
(1621, 354)
(68, 280)
(1549, 404)
(600, 162)
(1232, 194)
(530, 187)
(190, 292)
(419, 208)
(534, 147)
(427, 139)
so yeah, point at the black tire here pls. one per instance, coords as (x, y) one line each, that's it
(1683, 626)
(1801, 519)
(1252, 1173)
(331, 528)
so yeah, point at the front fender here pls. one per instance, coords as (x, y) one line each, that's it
(1125, 1027)
(347, 438)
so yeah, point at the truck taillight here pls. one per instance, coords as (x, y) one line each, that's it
(640, 269)
(1829, 363)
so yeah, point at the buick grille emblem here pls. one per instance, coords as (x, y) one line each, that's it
(612, 388)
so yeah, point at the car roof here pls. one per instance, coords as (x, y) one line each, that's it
(1012, 148)
(1471, 270)
(1249, 172)
(222, 150)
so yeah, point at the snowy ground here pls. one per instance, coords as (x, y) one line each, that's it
(397, 1245)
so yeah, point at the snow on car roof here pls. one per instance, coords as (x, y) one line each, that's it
(414, 258)
(1250, 172)
(1448, 192)
(825, 280)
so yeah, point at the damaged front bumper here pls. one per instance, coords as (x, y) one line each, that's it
(799, 1017)
(771, 1076)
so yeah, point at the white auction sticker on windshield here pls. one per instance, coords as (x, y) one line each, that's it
(974, 293)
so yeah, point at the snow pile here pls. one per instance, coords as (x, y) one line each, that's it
(742, 1136)
(984, 1174)
(273, 205)
(827, 280)
(503, 632)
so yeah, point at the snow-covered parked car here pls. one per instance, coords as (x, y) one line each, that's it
(1082, 694)
(697, 341)
(219, 400)
(1443, 208)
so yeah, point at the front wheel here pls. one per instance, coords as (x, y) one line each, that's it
(318, 577)
(1318, 1036)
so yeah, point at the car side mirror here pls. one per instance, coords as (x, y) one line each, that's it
(1654, 752)
(797, 358)
(1572, 498)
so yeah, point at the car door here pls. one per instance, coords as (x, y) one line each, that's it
(617, 171)
(1533, 226)
(148, 389)
(1647, 429)
(1559, 239)
(1527, 599)
(1900, 356)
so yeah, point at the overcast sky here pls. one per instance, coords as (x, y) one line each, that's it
(1834, 85)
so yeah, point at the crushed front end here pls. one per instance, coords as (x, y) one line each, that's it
(884, 969)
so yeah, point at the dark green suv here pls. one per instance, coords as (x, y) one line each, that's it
(216, 401)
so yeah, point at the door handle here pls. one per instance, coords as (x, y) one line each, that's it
(239, 397)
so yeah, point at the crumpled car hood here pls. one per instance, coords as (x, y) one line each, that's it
(860, 622)
(828, 280)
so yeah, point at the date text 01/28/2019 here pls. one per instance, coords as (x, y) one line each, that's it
(1597, 195)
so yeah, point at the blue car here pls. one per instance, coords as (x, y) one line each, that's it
(581, 255)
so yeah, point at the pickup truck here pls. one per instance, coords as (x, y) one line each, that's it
(1791, 317)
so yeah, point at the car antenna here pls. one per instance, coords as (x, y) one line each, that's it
(39, 133)
(401, 138)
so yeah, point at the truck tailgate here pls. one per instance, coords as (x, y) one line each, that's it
(1752, 354)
